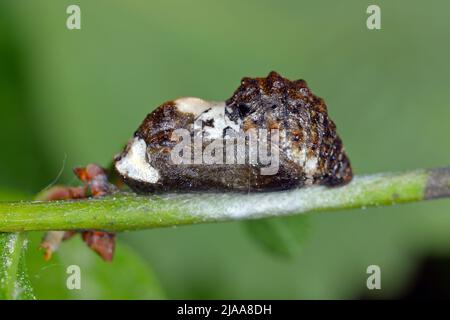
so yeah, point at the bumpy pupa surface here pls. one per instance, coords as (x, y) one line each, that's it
(310, 151)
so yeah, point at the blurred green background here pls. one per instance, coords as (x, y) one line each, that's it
(74, 97)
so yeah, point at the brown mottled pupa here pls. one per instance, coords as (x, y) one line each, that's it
(309, 149)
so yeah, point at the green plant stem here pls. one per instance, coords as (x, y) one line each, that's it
(131, 212)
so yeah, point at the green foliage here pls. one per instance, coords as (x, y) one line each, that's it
(283, 237)
(14, 280)
(14, 283)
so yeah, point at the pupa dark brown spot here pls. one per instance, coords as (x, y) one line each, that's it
(308, 147)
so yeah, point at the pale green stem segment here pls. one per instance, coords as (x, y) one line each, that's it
(122, 212)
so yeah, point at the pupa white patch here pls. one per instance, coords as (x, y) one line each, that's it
(220, 121)
(134, 164)
(205, 111)
(193, 105)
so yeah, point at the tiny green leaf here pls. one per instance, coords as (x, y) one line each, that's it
(283, 237)
(14, 284)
